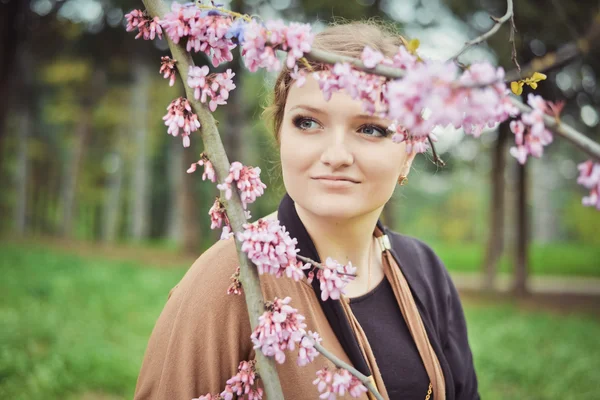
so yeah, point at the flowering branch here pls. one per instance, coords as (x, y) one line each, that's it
(498, 23)
(319, 265)
(341, 364)
(235, 211)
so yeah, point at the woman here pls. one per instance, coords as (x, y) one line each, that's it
(400, 321)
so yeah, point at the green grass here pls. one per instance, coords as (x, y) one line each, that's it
(545, 259)
(76, 327)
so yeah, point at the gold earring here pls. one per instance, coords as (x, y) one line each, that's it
(403, 180)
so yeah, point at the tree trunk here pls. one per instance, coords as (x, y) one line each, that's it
(175, 173)
(24, 132)
(495, 242)
(189, 206)
(140, 182)
(73, 165)
(12, 20)
(112, 201)
(522, 233)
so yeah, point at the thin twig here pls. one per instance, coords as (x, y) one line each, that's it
(341, 364)
(436, 158)
(319, 265)
(565, 54)
(497, 24)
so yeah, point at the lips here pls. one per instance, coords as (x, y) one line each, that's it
(336, 178)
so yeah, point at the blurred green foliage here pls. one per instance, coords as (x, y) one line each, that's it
(76, 327)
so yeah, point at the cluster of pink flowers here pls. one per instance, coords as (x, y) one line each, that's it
(239, 385)
(270, 247)
(367, 88)
(333, 278)
(307, 351)
(260, 42)
(589, 177)
(181, 118)
(209, 171)
(167, 69)
(281, 328)
(205, 32)
(530, 132)
(215, 86)
(236, 285)
(148, 27)
(242, 383)
(472, 103)
(247, 180)
(337, 383)
(482, 85)
(218, 215)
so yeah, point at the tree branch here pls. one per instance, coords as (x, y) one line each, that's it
(566, 53)
(341, 364)
(498, 23)
(583, 142)
(216, 153)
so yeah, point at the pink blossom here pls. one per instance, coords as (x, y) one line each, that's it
(236, 285)
(148, 27)
(332, 384)
(209, 171)
(299, 76)
(531, 135)
(167, 68)
(208, 396)
(334, 277)
(270, 247)
(589, 177)
(306, 349)
(204, 32)
(247, 180)
(181, 118)
(218, 215)
(215, 86)
(371, 57)
(242, 383)
(367, 88)
(278, 329)
(403, 59)
(260, 42)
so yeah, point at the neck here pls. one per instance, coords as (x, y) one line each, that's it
(347, 240)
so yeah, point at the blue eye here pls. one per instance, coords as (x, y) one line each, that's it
(377, 131)
(305, 123)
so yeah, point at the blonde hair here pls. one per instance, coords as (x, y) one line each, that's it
(346, 39)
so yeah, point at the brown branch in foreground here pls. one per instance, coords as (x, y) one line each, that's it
(341, 364)
(213, 147)
(497, 24)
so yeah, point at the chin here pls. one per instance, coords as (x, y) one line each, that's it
(330, 205)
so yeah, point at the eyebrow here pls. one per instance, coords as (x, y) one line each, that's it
(319, 111)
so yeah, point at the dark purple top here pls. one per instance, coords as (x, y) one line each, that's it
(396, 353)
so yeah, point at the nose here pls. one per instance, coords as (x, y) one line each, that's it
(336, 153)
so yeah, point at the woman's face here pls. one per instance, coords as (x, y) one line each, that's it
(334, 139)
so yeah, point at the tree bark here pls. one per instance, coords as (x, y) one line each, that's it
(522, 233)
(112, 201)
(189, 206)
(495, 242)
(71, 173)
(140, 182)
(12, 22)
(175, 174)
